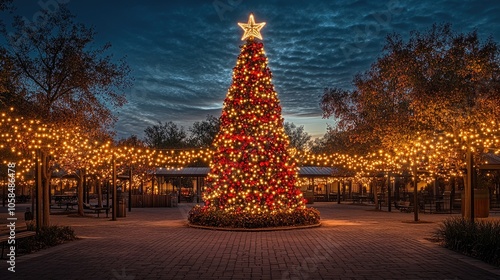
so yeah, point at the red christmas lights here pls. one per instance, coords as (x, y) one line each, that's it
(251, 170)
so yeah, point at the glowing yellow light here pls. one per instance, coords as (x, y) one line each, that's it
(251, 29)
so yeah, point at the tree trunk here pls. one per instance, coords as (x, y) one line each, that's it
(46, 201)
(80, 191)
(47, 175)
(415, 193)
(99, 193)
(469, 187)
(375, 193)
(452, 192)
(38, 194)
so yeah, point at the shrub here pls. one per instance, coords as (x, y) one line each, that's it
(47, 237)
(480, 239)
(218, 218)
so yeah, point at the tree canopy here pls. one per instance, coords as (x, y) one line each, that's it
(436, 83)
(62, 76)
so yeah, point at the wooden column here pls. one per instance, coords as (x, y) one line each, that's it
(130, 190)
(115, 193)
(389, 192)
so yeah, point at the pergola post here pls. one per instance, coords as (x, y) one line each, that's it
(338, 191)
(115, 193)
(130, 189)
(388, 191)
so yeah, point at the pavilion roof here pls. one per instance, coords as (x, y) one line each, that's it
(491, 162)
(305, 171)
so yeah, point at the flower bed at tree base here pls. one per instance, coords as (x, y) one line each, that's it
(221, 219)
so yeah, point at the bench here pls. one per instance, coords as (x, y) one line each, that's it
(96, 210)
(21, 232)
(403, 206)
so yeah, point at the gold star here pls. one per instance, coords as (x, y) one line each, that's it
(251, 28)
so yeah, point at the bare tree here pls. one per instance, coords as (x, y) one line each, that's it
(165, 136)
(131, 141)
(65, 77)
(203, 133)
(298, 138)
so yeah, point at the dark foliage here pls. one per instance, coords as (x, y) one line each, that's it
(47, 237)
(480, 239)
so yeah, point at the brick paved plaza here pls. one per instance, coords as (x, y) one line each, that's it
(353, 242)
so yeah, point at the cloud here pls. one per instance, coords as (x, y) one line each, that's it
(182, 52)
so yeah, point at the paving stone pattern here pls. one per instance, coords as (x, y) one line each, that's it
(354, 242)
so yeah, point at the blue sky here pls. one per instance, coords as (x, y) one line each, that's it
(182, 52)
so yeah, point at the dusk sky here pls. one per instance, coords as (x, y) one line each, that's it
(182, 52)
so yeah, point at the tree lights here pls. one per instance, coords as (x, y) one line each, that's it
(251, 170)
(20, 138)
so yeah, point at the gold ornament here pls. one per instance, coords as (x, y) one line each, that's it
(251, 28)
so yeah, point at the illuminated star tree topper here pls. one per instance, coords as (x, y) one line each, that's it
(251, 29)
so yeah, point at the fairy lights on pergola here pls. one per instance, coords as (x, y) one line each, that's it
(22, 137)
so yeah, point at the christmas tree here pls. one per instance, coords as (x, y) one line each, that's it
(251, 170)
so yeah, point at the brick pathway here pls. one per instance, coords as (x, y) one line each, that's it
(353, 243)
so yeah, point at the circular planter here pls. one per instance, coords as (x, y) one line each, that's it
(254, 229)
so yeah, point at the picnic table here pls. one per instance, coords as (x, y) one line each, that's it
(359, 199)
(95, 209)
(68, 200)
(71, 205)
